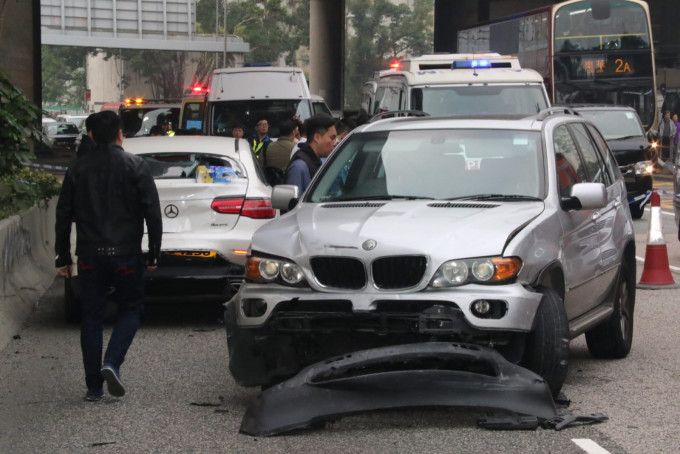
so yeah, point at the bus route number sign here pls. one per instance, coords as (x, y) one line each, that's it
(603, 66)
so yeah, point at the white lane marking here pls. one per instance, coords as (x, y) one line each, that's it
(589, 446)
(642, 259)
(667, 213)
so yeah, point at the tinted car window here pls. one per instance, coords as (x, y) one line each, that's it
(570, 168)
(593, 163)
(62, 128)
(227, 113)
(605, 153)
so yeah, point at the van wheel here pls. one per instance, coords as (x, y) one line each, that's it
(71, 300)
(547, 346)
(613, 338)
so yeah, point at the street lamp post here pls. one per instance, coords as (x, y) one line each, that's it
(224, 54)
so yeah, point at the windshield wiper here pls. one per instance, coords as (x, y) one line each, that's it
(383, 197)
(497, 197)
(627, 137)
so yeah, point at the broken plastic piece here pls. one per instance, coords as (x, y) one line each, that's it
(509, 422)
(563, 421)
(429, 374)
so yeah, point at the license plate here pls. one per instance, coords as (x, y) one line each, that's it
(193, 254)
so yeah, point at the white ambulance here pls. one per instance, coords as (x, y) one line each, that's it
(459, 84)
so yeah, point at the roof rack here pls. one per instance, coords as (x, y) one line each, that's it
(555, 110)
(398, 113)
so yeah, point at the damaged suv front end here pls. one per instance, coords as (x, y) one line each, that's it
(424, 231)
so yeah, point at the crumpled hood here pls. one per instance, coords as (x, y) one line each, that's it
(451, 229)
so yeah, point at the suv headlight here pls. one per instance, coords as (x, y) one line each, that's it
(485, 270)
(262, 269)
(644, 168)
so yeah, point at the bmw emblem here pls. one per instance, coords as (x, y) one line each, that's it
(171, 211)
(369, 245)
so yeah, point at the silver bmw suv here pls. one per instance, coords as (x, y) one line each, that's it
(510, 233)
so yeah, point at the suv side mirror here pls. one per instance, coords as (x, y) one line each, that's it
(586, 196)
(285, 196)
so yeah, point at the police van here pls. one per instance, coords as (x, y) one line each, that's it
(458, 84)
(249, 94)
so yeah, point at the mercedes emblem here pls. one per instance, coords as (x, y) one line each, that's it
(171, 211)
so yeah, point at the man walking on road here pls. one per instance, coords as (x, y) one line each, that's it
(109, 194)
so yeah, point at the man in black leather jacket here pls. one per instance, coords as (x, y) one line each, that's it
(109, 194)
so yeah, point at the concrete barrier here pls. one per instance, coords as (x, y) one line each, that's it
(27, 268)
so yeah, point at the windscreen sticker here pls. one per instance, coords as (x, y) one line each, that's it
(520, 140)
(472, 164)
(629, 115)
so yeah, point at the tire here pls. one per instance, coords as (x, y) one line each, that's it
(71, 300)
(547, 347)
(613, 338)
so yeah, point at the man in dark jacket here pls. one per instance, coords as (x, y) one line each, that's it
(86, 142)
(109, 194)
(321, 138)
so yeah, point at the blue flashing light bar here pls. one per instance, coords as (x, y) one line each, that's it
(469, 64)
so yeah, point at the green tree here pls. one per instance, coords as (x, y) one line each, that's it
(380, 31)
(272, 27)
(64, 79)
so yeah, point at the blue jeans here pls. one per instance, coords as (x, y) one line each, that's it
(97, 274)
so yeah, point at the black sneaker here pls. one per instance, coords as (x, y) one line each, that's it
(113, 383)
(94, 395)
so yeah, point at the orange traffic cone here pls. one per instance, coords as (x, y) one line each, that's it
(656, 270)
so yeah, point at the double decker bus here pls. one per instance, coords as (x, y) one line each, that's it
(588, 51)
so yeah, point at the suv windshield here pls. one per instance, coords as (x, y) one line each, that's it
(615, 124)
(434, 164)
(479, 99)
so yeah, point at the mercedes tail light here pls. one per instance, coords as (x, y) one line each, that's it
(252, 208)
(258, 209)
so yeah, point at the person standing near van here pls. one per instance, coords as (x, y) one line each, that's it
(260, 139)
(321, 136)
(677, 136)
(278, 153)
(237, 131)
(111, 195)
(87, 144)
(666, 134)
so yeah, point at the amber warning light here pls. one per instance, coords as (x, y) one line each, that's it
(198, 89)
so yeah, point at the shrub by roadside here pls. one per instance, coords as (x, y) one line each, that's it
(20, 188)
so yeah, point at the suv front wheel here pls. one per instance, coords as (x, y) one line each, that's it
(547, 347)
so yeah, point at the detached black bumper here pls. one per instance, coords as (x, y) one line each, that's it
(431, 374)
